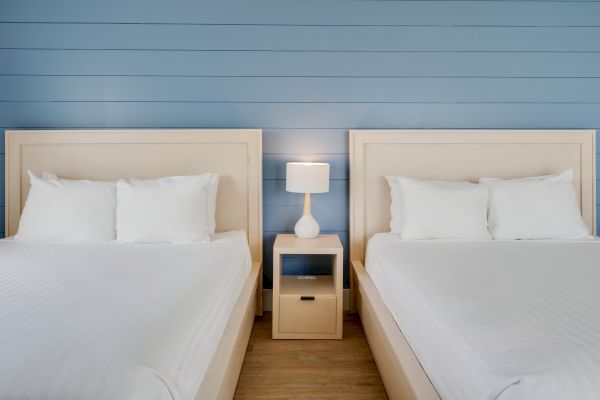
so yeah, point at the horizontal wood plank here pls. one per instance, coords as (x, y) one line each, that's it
(305, 141)
(307, 89)
(298, 38)
(300, 115)
(307, 12)
(270, 63)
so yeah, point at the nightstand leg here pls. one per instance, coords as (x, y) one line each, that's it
(276, 288)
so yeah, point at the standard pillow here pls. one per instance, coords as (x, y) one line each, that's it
(213, 188)
(424, 209)
(68, 210)
(171, 209)
(540, 207)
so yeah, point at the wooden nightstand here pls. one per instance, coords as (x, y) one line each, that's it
(308, 307)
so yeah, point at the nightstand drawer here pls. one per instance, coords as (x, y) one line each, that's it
(314, 314)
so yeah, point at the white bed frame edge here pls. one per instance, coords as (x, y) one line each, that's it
(548, 151)
(223, 372)
(118, 153)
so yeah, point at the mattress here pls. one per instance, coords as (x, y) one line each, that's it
(114, 321)
(496, 319)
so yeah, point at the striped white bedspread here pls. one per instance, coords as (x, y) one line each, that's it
(496, 319)
(114, 321)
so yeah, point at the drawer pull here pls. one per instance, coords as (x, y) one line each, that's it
(307, 297)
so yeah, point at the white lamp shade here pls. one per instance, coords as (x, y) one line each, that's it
(307, 177)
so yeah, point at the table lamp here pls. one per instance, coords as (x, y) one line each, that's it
(307, 178)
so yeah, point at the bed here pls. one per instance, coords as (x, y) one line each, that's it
(137, 321)
(429, 336)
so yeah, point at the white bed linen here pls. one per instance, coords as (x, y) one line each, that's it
(114, 321)
(496, 319)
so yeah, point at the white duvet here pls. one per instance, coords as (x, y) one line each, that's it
(496, 319)
(114, 321)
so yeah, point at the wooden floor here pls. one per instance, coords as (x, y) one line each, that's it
(309, 369)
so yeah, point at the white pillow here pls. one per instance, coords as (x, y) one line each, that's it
(171, 209)
(68, 210)
(438, 210)
(540, 207)
(213, 188)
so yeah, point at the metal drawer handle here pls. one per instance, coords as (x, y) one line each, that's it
(307, 297)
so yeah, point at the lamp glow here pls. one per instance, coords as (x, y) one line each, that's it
(307, 178)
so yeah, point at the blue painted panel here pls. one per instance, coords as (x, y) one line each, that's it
(510, 13)
(300, 115)
(282, 209)
(305, 141)
(331, 217)
(274, 194)
(300, 38)
(273, 89)
(274, 164)
(270, 63)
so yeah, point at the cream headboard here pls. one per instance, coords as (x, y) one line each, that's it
(459, 155)
(235, 154)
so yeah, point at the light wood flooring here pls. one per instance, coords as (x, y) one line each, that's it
(309, 369)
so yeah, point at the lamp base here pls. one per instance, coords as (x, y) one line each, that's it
(307, 227)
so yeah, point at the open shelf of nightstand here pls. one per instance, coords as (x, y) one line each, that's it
(293, 285)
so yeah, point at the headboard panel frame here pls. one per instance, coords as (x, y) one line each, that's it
(459, 155)
(236, 154)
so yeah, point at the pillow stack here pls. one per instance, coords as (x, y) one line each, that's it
(179, 209)
(541, 207)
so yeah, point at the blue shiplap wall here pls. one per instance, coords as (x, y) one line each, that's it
(305, 71)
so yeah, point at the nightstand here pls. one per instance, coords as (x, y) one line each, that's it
(308, 307)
